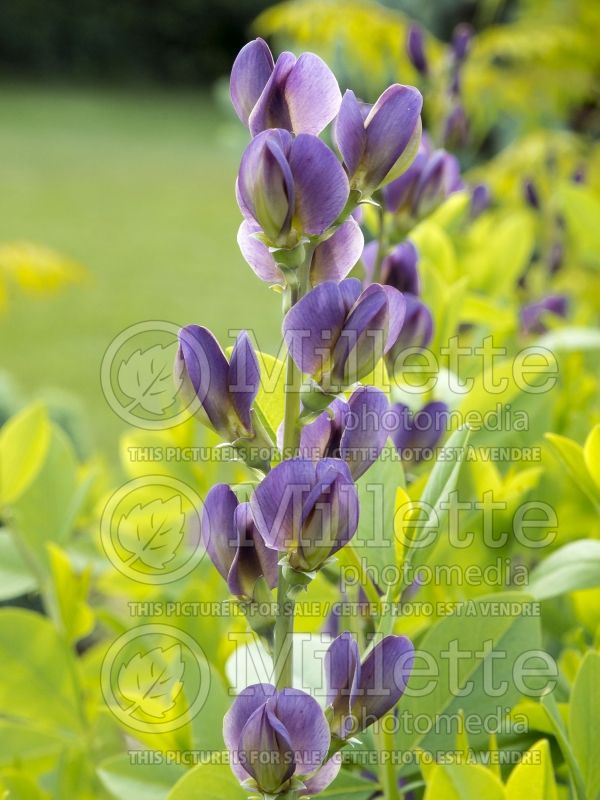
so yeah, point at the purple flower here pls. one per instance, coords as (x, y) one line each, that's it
(358, 693)
(530, 194)
(416, 332)
(398, 267)
(298, 94)
(461, 41)
(419, 432)
(456, 128)
(480, 200)
(332, 259)
(224, 390)
(277, 739)
(306, 509)
(431, 178)
(416, 50)
(290, 186)
(532, 315)
(379, 142)
(353, 430)
(235, 546)
(338, 334)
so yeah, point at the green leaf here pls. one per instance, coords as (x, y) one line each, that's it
(208, 782)
(351, 785)
(142, 781)
(533, 778)
(152, 681)
(19, 786)
(490, 633)
(558, 728)
(69, 594)
(571, 455)
(151, 533)
(38, 672)
(270, 400)
(24, 443)
(591, 454)
(463, 782)
(571, 568)
(15, 576)
(584, 722)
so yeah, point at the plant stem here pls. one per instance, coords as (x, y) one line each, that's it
(387, 767)
(283, 649)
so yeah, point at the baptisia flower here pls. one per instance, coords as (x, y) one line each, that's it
(378, 142)
(235, 546)
(298, 94)
(353, 430)
(415, 48)
(416, 333)
(222, 390)
(337, 333)
(533, 315)
(290, 187)
(306, 509)
(417, 433)
(428, 181)
(358, 694)
(398, 267)
(278, 741)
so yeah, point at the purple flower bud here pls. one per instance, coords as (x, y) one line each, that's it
(307, 509)
(359, 694)
(456, 128)
(419, 432)
(290, 186)
(416, 332)
(530, 193)
(480, 200)
(235, 546)
(532, 315)
(416, 50)
(579, 175)
(379, 142)
(398, 267)
(332, 259)
(224, 391)
(461, 41)
(276, 736)
(300, 95)
(338, 334)
(354, 431)
(556, 257)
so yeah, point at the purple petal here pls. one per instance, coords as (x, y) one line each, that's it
(320, 182)
(271, 109)
(429, 424)
(249, 75)
(253, 559)
(416, 50)
(383, 678)
(417, 329)
(369, 259)
(312, 94)
(390, 128)
(306, 726)
(244, 705)
(342, 668)
(350, 289)
(244, 378)
(265, 749)
(312, 326)
(361, 343)
(219, 534)
(397, 310)
(202, 362)
(334, 258)
(398, 192)
(365, 434)
(324, 776)
(350, 135)
(399, 268)
(257, 254)
(278, 500)
(321, 438)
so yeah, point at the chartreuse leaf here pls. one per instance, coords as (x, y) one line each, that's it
(572, 456)
(351, 786)
(69, 594)
(19, 786)
(484, 639)
(38, 674)
(143, 781)
(24, 444)
(591, 454)
(16, 577)
(209, 782)
(560, 732)
(533, 778)
(584, 722)
(270, 400)
(463, 782)
(571, 568)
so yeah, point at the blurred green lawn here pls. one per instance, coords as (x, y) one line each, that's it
(140, 189)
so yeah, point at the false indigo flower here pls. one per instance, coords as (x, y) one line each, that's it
(480, 200)
(530, 194)
(461, 41)
(416, 50)
(456, 128)
(235, 546)
(306, 509)
(353, 430)
(300, 95)
(359, 694)
(379, 142)
(419, 432)
(278, 740)
(398, 267)
(290, 186)
(338, 334)
(532, 315)
(224, 391)
(332, 259)
(416, 332)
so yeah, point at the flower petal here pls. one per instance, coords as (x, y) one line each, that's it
(397, 310)
(342, 670)
(307, 728)
(271, 109)
(257, 254)
(383, 678)
(324, 775)
(219, 534)
(312, 94)
(243, 378)
(334, 258)
(350, 135)
(245, 704)
(265, 749)
(365, 435)
(249, 75)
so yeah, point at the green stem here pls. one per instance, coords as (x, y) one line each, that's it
(283, 648)
(381, 245)
(387, 768)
